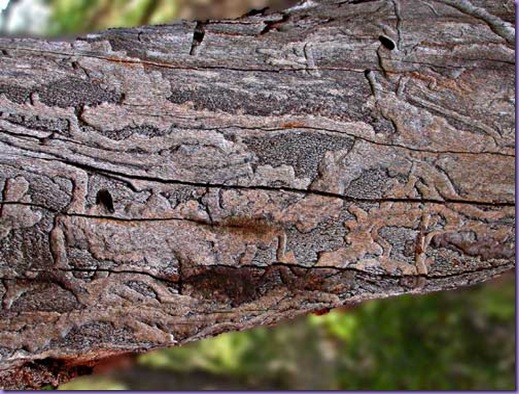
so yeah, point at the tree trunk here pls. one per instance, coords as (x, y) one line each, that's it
(164, 184)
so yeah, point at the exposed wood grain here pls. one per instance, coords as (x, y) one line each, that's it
(164, 184)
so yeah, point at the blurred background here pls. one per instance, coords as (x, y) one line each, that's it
(458, 340)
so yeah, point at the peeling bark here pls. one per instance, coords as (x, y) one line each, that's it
(164, 184)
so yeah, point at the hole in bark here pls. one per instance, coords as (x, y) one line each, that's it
(198, 37)
(276, 24)
(366, 72)
(105, 198)
(387, 42)
(255, 12)
(45, 140)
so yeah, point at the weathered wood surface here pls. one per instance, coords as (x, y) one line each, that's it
(164, 184)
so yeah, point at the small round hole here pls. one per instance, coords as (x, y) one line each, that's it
(387, 42)
(104, 198)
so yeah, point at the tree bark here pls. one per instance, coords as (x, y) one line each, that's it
(164, 184)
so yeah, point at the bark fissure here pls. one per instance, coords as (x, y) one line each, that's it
(372, 275)
(299, 127)
(129, 177)
(171, 66)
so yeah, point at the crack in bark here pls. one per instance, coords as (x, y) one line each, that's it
(227, 68)
(299, 127)
(370, 141)
(289, 189)
(396, 6)
(175, 67)
(117, 271)
(198, 37)
(89, 168)
(374, 276)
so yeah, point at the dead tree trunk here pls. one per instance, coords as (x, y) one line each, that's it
(164, 184)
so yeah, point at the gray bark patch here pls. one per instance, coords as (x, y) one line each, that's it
(72, 92)
(303, 151)
(370, 184)
(15, 93)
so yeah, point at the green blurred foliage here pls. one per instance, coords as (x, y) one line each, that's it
(463, 340)
(444, 341)
(80, 16)
(93, 384)
(458, 340)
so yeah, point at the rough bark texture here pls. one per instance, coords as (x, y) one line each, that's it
(164, 184)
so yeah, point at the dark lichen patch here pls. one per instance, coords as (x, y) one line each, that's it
(327, 236)
(279, 97)
(265, 254)
(61, 126)
(75, 92)
(449, 262)
(506, 221)
(378, 122)
(47, 190)
(82, 262)
(15, 93)
(91, 335)
(227, 101)
(29, 245)
(51, 192)
(370, 184)
(44, 297)
(5, 352)
(141, 288)
(301, 150)
(402, 240)
(177, 195)
(126, 132)
(443, 263)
